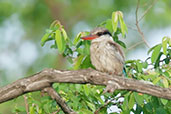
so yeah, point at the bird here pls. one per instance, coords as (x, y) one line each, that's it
(105, 54)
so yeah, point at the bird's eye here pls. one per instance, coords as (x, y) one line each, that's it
(99, 33)
(105, 32)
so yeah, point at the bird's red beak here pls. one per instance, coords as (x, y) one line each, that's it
(89, 37)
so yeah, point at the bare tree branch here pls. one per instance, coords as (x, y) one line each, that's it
(130, 27)
(46, 77)
(137, 23)
(135, 45)
(147, 10)
(54, 95)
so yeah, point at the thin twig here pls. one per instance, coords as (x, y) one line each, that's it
(147, 10)
(131, 28)
(137, 24)
(105, 104)
(26, 104)
(136, 12)
(135, 45)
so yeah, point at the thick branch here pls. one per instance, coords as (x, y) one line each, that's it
(46, 77)
(54, 95)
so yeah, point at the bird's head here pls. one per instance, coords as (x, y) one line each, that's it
(97, 33)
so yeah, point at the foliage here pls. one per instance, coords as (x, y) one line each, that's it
(86, 99)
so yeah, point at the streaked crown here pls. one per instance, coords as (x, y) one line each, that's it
(99, 31)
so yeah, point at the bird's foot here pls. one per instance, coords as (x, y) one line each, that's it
(111, 87)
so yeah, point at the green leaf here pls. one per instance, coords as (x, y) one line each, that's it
(86, 44)
(91, 106)
(164, 101)
(151, 49)
(145, 64)
(77, 38)
(109, 25)
(156, 53)
(165, 83)
(131, 101)
(40, 111)
(155, 102)
(85, 111)
(86, 63)
(139, 99)
(148, 107)
(55, 25)
(31, 109)
(100, 100)
(44, 39)
(158, 60)
(125, 103)
(164, 45)
(54, 46)
(156, 80)
(121, 43)
(86, 89)
(80, 51)
(46, 108)
(170, 42)
(125, 112)
(102, 24)
(167, 59)
(64, 34)
(60, 41)
(139, 66)
(114, 21)
(130, 61)
(20, 109)
(123, 25)
(70, 60)
(166, 73)
(78, 62)
(160, 110)
(117, 32)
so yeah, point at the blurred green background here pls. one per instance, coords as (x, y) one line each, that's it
(23, 23)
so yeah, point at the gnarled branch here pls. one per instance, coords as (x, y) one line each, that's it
(47, 77)
(54, 95)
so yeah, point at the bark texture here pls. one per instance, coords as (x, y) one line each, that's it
(47, 77)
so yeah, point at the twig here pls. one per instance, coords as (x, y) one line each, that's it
(147, 10)
(54, 95)
(131, 28)
(26, 104)
(135, 45)
(137, 24)
(105, 104)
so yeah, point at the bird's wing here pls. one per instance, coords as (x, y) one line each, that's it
(117, 51)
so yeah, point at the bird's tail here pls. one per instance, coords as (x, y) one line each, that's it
(124, 72)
